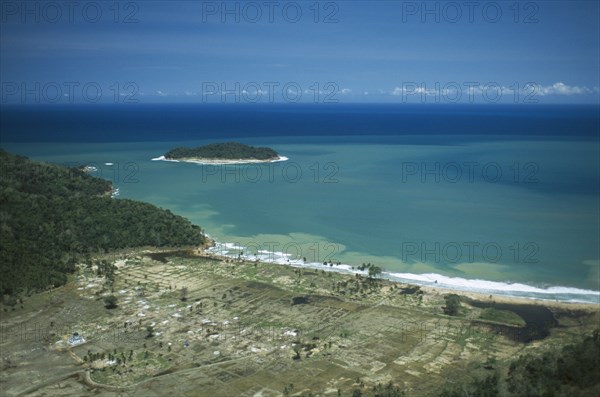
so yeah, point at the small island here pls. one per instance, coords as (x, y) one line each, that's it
(223, 153)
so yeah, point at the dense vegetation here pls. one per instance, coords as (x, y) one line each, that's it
(569, 372)
(51, 215)
(452, 304)
(572, 371)
(228, 150)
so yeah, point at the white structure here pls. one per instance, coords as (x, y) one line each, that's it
(75, 339)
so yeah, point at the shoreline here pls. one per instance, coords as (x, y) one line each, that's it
(535, 295)
(208, 161)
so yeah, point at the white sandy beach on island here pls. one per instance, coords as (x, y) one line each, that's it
(207, 161)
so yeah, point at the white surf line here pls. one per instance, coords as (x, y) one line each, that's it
(434, 280)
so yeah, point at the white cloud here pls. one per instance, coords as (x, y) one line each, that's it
(561, 88)
(489, 89)
(411, 89)
(345, 91)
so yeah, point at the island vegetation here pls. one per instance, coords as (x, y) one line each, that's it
(52, 216)
(223, 151)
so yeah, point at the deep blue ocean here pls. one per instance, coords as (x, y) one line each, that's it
(493, 198)
(172, 122)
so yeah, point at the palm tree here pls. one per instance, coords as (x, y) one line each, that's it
(374, 271)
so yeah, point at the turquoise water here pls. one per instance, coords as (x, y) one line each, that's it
(516, 211)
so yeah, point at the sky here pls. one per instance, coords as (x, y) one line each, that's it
(299, 51)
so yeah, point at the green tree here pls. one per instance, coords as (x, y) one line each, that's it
(388, 390)
(452, 304)
(297, 353)
(374, 271)
(110, 302)
(149, 331)
(184, 294)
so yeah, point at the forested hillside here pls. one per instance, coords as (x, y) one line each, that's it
(51, 215)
